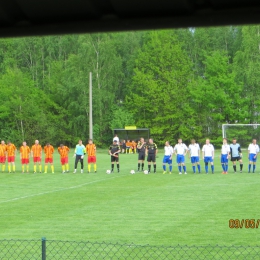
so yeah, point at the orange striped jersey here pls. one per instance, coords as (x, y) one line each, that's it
(37, 150)
(48, 150)
(134, 144)
(10, 148)
(63, 151)
(25, 151)
(2, 149)
(129, 144)
(91, 149)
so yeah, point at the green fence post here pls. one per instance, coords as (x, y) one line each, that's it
(43, 248)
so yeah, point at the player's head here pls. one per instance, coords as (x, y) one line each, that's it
(24, 143)
(48, 144)
(90, 141)
(207, 141)
(8, 143)
(234, 140)
(179, 140)
(141, 139)
(61, 145)
(36, 141)
(224, 140)
(115, 135)
(2, 142)
(167, 143)
(114, 141)
(80, 142)
(254, 141)
(192, 141)
(151, 141)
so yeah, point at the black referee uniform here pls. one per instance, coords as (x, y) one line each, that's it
(114, 151)
(141, 154)
(151, 155)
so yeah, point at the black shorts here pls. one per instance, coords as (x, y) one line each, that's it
(123, 146)
(141, 156)
(151, 158)
(114, 159)
(233, 159)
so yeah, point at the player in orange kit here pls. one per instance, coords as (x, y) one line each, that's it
(11, 153)
(3, 154)
(63, 151)
(36, 152)
(134, 146)
(48, 150)
(24, 156)
(128, 146)
(91, 151)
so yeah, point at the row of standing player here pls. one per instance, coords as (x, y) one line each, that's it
(8, 153)
(232, 151)
(150, 150)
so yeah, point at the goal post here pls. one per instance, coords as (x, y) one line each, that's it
(244, 133)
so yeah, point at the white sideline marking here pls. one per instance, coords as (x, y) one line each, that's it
(48, 192)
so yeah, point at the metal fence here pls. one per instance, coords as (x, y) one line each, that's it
(54, 249)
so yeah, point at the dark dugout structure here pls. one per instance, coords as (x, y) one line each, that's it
(132, 133)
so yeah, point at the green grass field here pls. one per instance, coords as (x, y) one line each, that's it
(151, 209)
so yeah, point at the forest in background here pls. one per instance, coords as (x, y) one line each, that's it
(179, 83)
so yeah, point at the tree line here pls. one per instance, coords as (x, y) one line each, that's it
(179, 83)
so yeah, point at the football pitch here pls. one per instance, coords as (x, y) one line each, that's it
(155, 209)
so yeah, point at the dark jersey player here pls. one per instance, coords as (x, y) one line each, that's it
(141, 147)
(236, 155)
(114, 151)
(151, 152)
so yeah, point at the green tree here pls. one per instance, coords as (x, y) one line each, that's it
(216, 96)
(158, 94)
(247, 68)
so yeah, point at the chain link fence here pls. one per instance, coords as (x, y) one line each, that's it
(54, 249)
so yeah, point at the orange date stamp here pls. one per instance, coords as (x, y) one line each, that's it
(244, 223)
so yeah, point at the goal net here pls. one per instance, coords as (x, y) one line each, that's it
(244, 133)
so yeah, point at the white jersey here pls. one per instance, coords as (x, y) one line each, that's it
(168, 150)
(194, 150)
(253, 148)
(208, 150)
(180, 148)
(116, 139)
(225, 149)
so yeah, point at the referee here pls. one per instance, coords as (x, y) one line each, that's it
(141, 147)
(114, 151)
(80, 151)
(151, 152)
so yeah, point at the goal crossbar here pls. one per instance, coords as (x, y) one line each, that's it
(224, 125)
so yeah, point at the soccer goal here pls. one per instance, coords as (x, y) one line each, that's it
(244, 133)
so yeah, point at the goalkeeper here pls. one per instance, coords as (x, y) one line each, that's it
(80, 151)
